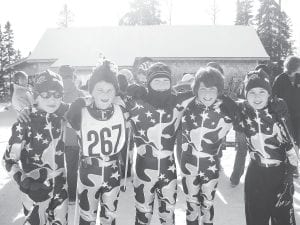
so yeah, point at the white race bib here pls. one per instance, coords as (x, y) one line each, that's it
(102, 138)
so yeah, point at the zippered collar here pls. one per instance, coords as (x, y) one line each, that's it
(213, 106)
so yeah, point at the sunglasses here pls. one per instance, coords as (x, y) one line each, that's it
(47, 95)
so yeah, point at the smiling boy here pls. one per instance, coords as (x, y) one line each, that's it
(102, 131)
(35, 155)
(204, 125)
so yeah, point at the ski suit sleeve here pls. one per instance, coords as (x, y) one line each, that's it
(276, 87)
(231, 109)
(278, 107)
(12, 155)
(74, 113)
(136, 91)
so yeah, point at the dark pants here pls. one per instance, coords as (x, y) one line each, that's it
(179, 143)
(296, 133)
(269, 196)
(72, 157)
(296, 129)
(240, 158)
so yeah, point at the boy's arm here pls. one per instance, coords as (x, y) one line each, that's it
(12, 154)
(182, 97)
(74, 113)
(136, 91)
(63, 109)
(231, 109)
(279, 108)
(275, 88)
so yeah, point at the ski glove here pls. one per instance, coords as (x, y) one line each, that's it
(136, 91)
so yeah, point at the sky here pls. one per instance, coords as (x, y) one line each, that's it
(31, 18)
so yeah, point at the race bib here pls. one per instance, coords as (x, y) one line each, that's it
(102, 138)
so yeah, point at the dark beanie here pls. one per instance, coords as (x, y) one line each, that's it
(66, 71)
(48, 81)
(157, 70)
(107, 72)
(257, 78)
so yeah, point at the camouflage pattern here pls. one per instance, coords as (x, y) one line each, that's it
(102, 139)
(155, 170)
(203, 130)
(35, 158)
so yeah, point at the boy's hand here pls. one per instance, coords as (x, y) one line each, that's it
(136, 91)
(39, 192)
(23, 116)
(228, 106)
(24, 185)
(277, 107)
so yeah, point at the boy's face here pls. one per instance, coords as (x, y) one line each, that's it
(207, 95)
(103, 94)
(160, 84)
(23, 81)
(258, 97)
(142, 78)
(49, 101)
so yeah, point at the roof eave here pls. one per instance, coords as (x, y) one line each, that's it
(41, 60)
(214, 58)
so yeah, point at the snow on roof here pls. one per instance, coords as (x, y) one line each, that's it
(122, 44)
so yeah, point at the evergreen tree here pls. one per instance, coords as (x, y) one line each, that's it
(8, 42)
(143, 12)
(1, 52)
(273, 28)
(8, 55)
(244, 12)
(2, 63)
(18, 55)
(66, 17)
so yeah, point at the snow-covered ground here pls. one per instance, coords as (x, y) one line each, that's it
(229, 203)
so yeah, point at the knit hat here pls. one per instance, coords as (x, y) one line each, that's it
(48, 81)
(158, 70)
(66, 71)
(144, 67)
(105, 72)
(158, 98)
(257, 78)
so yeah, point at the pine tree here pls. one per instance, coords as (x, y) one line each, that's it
(18, 55)
(8, 42)
(1, 52)
(273, 28)
(8, 55)
(66, 17)
(244, 12)
(143, 12)
(2, 63)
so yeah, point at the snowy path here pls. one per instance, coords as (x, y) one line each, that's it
(229, 204)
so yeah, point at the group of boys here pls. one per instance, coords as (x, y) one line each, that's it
(148, 115)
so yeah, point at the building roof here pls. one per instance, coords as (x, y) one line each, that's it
(122, 44)
(13, 65)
